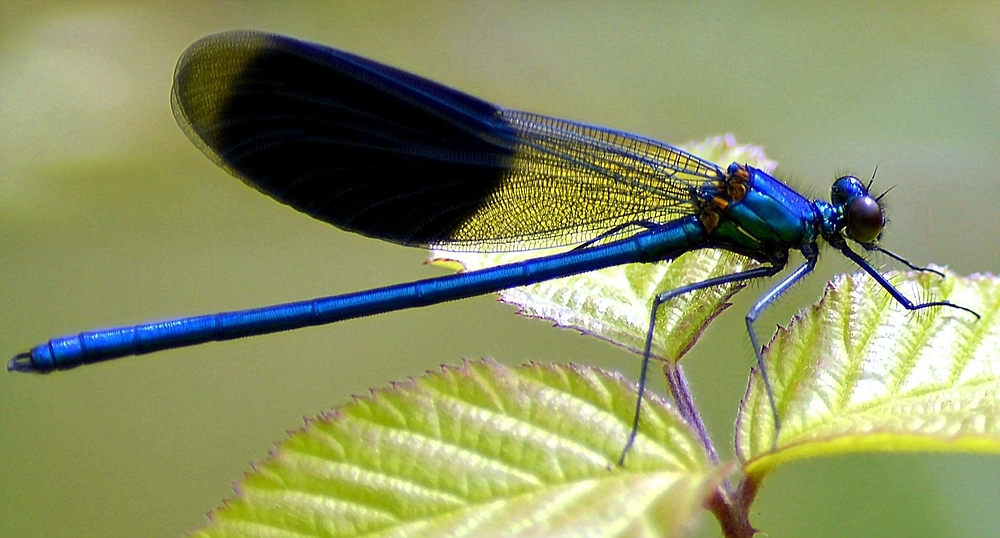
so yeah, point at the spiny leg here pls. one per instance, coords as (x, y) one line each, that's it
(658, 301)
(893, 291)
(766, 300)
(902, 260)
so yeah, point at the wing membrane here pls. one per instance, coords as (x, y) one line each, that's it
(385, 153)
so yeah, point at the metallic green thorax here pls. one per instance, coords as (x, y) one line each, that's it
(758, 216)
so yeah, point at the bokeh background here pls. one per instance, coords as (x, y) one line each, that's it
(108, 215)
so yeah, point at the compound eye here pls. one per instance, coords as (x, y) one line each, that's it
(864, 220)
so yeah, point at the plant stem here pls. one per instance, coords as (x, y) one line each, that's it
(681, 393)
(733, 512)
(730, 509)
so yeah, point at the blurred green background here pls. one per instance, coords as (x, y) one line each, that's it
(108, 215)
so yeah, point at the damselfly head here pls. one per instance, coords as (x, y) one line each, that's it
(862, 214)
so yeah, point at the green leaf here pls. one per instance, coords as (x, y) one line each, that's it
(614, 303)
(481, 450)
(857, 372)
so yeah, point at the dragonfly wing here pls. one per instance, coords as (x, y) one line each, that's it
(570, 182)
(388, 154)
